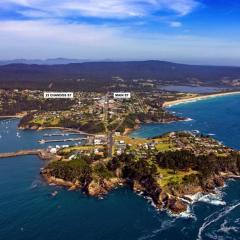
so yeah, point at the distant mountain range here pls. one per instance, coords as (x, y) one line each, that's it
(107, 74)
(50, 61)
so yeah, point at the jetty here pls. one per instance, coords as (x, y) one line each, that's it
(66, 130)
(60, 134)
(41, 153)
(8, 117)
(62, 140)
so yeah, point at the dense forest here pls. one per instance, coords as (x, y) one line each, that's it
(207, 165)
(145, 172)
(101, 75)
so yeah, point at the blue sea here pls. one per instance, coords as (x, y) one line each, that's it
(28, 210)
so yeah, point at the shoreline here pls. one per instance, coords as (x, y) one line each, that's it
(10, 117)
(176, 204)
(198, 98)
(43, 154)
(16, 116)
(72, 130)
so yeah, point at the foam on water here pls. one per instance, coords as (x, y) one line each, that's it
(214, 199)
(211, 198)
(211, 134)
(213, 218)
(188, 119)
(187, 214)
(226, 228)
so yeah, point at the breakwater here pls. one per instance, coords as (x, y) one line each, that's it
(41, 153)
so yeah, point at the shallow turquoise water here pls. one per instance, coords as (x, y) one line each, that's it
(29, 211)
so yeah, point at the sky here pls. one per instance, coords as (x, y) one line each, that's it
(189, 31)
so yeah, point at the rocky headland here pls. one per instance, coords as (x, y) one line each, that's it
(166, 177)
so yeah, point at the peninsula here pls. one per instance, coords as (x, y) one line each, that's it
(166, 168)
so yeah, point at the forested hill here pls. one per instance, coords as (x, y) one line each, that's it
(92, 75)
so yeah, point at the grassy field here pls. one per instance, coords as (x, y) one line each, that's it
(133, 141)
(163, 147)
(168, 176)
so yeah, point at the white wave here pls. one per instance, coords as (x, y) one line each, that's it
(216, 216)
(149, 200)
(188, 120)
(237, 220)
(231, 179)
(214, 199)
(140, 193)
(187, 214)
(211, 198)
(211, 134)
(185, 200)
(35, 184)
(164, 226)
(195, 197)
(145, 237)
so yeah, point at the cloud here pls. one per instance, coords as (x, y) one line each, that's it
(182, 7)
(70, 28)
(44, 39)
(175, 24)
(103, 8)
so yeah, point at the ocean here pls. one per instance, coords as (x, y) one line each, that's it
(28, 210)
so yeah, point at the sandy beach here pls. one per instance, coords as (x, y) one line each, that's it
(198, 98)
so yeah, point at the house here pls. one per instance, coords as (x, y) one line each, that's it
(119, 152)
(97, 141)
(53, 150)
(72, 157)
